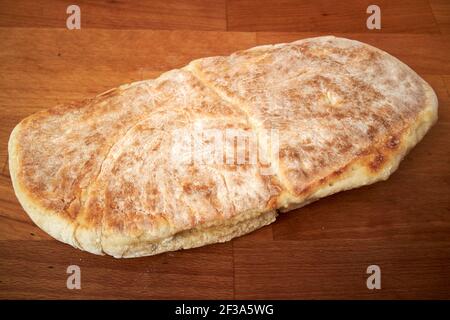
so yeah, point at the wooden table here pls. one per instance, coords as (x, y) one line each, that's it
(320, 251)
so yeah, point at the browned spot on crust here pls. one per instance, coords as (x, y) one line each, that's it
(344, 147)
(190, 188)
(372, 132)
(309, 148)
(393, 142)
(272, 203)
(73, 208)
(289, 152)
(187, 187)
(156, 146)
(377, 162)
(238, 181)
(302, 190)
(338, 172)
(363, 153)
(95, 212)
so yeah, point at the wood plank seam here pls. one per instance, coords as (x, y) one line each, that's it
(447, 87)
(226, 15)
(28, 222)
(4, 168)
(434, 17)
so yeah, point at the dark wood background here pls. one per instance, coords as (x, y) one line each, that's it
(320, 251)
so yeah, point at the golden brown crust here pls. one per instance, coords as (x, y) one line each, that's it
(99, 174)
(335, 100)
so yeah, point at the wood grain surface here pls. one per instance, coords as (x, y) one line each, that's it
(319, 251)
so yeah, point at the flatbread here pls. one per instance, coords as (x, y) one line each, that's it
(110, 174)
